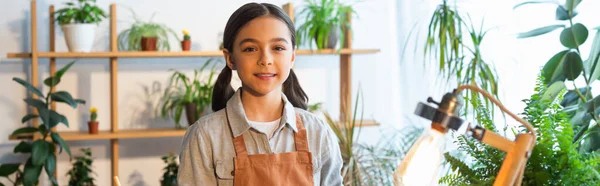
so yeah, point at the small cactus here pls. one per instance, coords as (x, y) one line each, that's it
(186, 35)
(94, 114)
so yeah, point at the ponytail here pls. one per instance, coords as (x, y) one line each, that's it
(293, 91)
(222, 91)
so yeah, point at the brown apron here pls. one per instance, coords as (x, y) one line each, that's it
(290, 168)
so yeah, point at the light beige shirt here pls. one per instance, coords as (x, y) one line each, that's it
(207, 151)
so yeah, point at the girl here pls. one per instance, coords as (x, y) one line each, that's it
(261, 133)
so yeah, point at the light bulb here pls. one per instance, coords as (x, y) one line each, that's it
(420, 166)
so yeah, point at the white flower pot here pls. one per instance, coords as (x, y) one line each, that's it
(80, 37)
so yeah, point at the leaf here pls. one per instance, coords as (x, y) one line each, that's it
(592, 67)
(56, 118)
(50, 164)
(23, 147)
(8, 169)
(24, 130)
(562, 14)
(65, 97)
(39, 152)
(571, 97)
(574, 36)
(80, 101)
(552, 71)
(31, 173)
(573, 66)
(572, 4)
(35, 103)
(28, 117)
(62, 71)
(534, 2)
(51, 81)
(540, 31)
(552, 92)
(58, 140)
(592, 140)
(29, 87)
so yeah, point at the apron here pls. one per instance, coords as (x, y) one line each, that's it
(290, 168)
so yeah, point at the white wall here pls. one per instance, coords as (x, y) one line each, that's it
(140, 162)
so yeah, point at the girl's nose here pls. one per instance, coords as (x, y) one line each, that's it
(265, 58)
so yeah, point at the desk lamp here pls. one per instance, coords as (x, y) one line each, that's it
(420, 166)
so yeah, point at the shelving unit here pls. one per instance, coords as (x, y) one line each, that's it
(114, 134)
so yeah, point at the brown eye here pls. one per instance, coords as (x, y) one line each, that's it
(249, 49)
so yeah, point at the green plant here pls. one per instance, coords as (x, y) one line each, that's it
(12, 168)
(183, 91)
(324, 20)
(82, 167)
(554, 160)
(82, 11)
(169, 178)
(369, 164)
(42, 149)
(458, 58)
(567, 66)
(130, 39)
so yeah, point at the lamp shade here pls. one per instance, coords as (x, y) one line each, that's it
(421, 165)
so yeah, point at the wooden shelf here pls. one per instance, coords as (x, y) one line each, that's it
(215, 53)
(122, 134)
(132, 133)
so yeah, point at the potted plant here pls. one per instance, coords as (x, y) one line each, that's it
(194, 95)
(186, 43)
(79, 21)
(93, 123)
(169, 178)
(45, 142)
(79, 175)
(145, 36)
(324, 23)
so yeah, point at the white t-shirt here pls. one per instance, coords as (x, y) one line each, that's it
(265, 127)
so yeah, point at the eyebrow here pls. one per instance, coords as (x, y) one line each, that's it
(256, 41)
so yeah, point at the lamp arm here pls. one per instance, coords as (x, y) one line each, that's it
(491, 98)
(512, 169)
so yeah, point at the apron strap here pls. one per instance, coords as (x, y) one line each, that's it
(238, 142)
(300, 138)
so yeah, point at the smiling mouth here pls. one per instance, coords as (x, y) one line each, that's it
(265, 76)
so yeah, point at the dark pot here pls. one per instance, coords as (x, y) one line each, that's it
(331, 40)
(190, 113)
(186, 45)
(93, 127)
(149, 43)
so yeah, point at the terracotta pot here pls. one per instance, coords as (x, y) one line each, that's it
(186, 45)
(93, 127)
(149, 43)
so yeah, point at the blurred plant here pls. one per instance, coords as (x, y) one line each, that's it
(369, 164)
(130, 39)
(82, 12)
(324, 23)
(194, 95)
(169, 177)
(79, 175)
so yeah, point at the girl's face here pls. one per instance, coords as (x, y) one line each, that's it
(262, 55)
